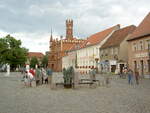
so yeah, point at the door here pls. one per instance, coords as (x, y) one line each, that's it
(113, 68)
(135, 66)
(121, 68)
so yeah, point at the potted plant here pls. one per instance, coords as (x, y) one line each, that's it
(68, 75)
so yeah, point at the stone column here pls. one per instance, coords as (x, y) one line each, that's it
(49, 79)
(76, 80)
(8, 70)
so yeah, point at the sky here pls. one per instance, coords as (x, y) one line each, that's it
(31, 21)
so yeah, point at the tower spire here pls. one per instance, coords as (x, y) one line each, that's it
(51, 38)
(69, 29)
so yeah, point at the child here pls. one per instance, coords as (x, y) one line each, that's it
(26, 79)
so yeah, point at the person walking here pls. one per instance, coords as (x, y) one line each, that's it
(25, 77)
(44, 75)
(30, 78)
(130, 76)
(93, 74)
(37, 76)
(49, 73)
(137, 77)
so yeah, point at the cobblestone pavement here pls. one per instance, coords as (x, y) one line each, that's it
(118, 98)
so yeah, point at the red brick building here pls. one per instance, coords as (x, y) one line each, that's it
(139, 48)
(38, 55)
(58, 48)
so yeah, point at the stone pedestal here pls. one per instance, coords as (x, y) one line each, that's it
(76, 80)
(8, 70)
(49, 79)
(33, 83)
(53, 86)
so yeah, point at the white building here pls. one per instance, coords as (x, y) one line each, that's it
(88, 54)
(70, 59)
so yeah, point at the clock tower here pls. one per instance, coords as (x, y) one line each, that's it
(69, 29)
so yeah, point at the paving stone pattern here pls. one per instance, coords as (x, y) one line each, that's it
(118, 98)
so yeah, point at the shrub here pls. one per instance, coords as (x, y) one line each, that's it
(68, 75)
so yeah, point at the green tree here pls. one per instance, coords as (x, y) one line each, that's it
(33, 62)
(45, 61)
(11, 52)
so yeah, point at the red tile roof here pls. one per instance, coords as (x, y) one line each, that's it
(118, 36)
(142, 30)
(98, 37)
(35, 54)
(67, 47)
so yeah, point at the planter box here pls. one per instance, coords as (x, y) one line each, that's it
(67, 86)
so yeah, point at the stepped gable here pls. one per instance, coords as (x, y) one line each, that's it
(118, 36)
(68, 46)
(142, 30)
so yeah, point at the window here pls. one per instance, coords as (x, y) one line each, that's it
(148, 62)
(106, 51)
(141, 45)
(135, 65)
(86, 52)
(115, 51)
(134, 47)
(112, 51)
(148, 44)
(101, 51)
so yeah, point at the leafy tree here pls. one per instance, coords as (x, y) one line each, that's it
(11, 51)
(34, 61)
(45, 61)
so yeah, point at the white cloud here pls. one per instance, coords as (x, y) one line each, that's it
(35, 42)
(31, 21)
(3, 33)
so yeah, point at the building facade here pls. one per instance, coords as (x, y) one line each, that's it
(70, 59)
(113, 53)
(139, 48)
(88, 54)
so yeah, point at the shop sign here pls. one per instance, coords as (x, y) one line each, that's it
(113, 62)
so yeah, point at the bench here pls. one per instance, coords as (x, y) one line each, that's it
(86, 83)
(89, 81)
(59, 84)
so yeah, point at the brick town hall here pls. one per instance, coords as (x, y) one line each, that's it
(59, 48)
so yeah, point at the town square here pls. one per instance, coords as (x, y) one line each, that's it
(118, 98)
(74, 56)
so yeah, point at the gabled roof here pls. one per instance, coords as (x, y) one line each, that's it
(68, 47)
(98, 37)
(118, 36)
(75, 47)
(35, 54)
(142, 30)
